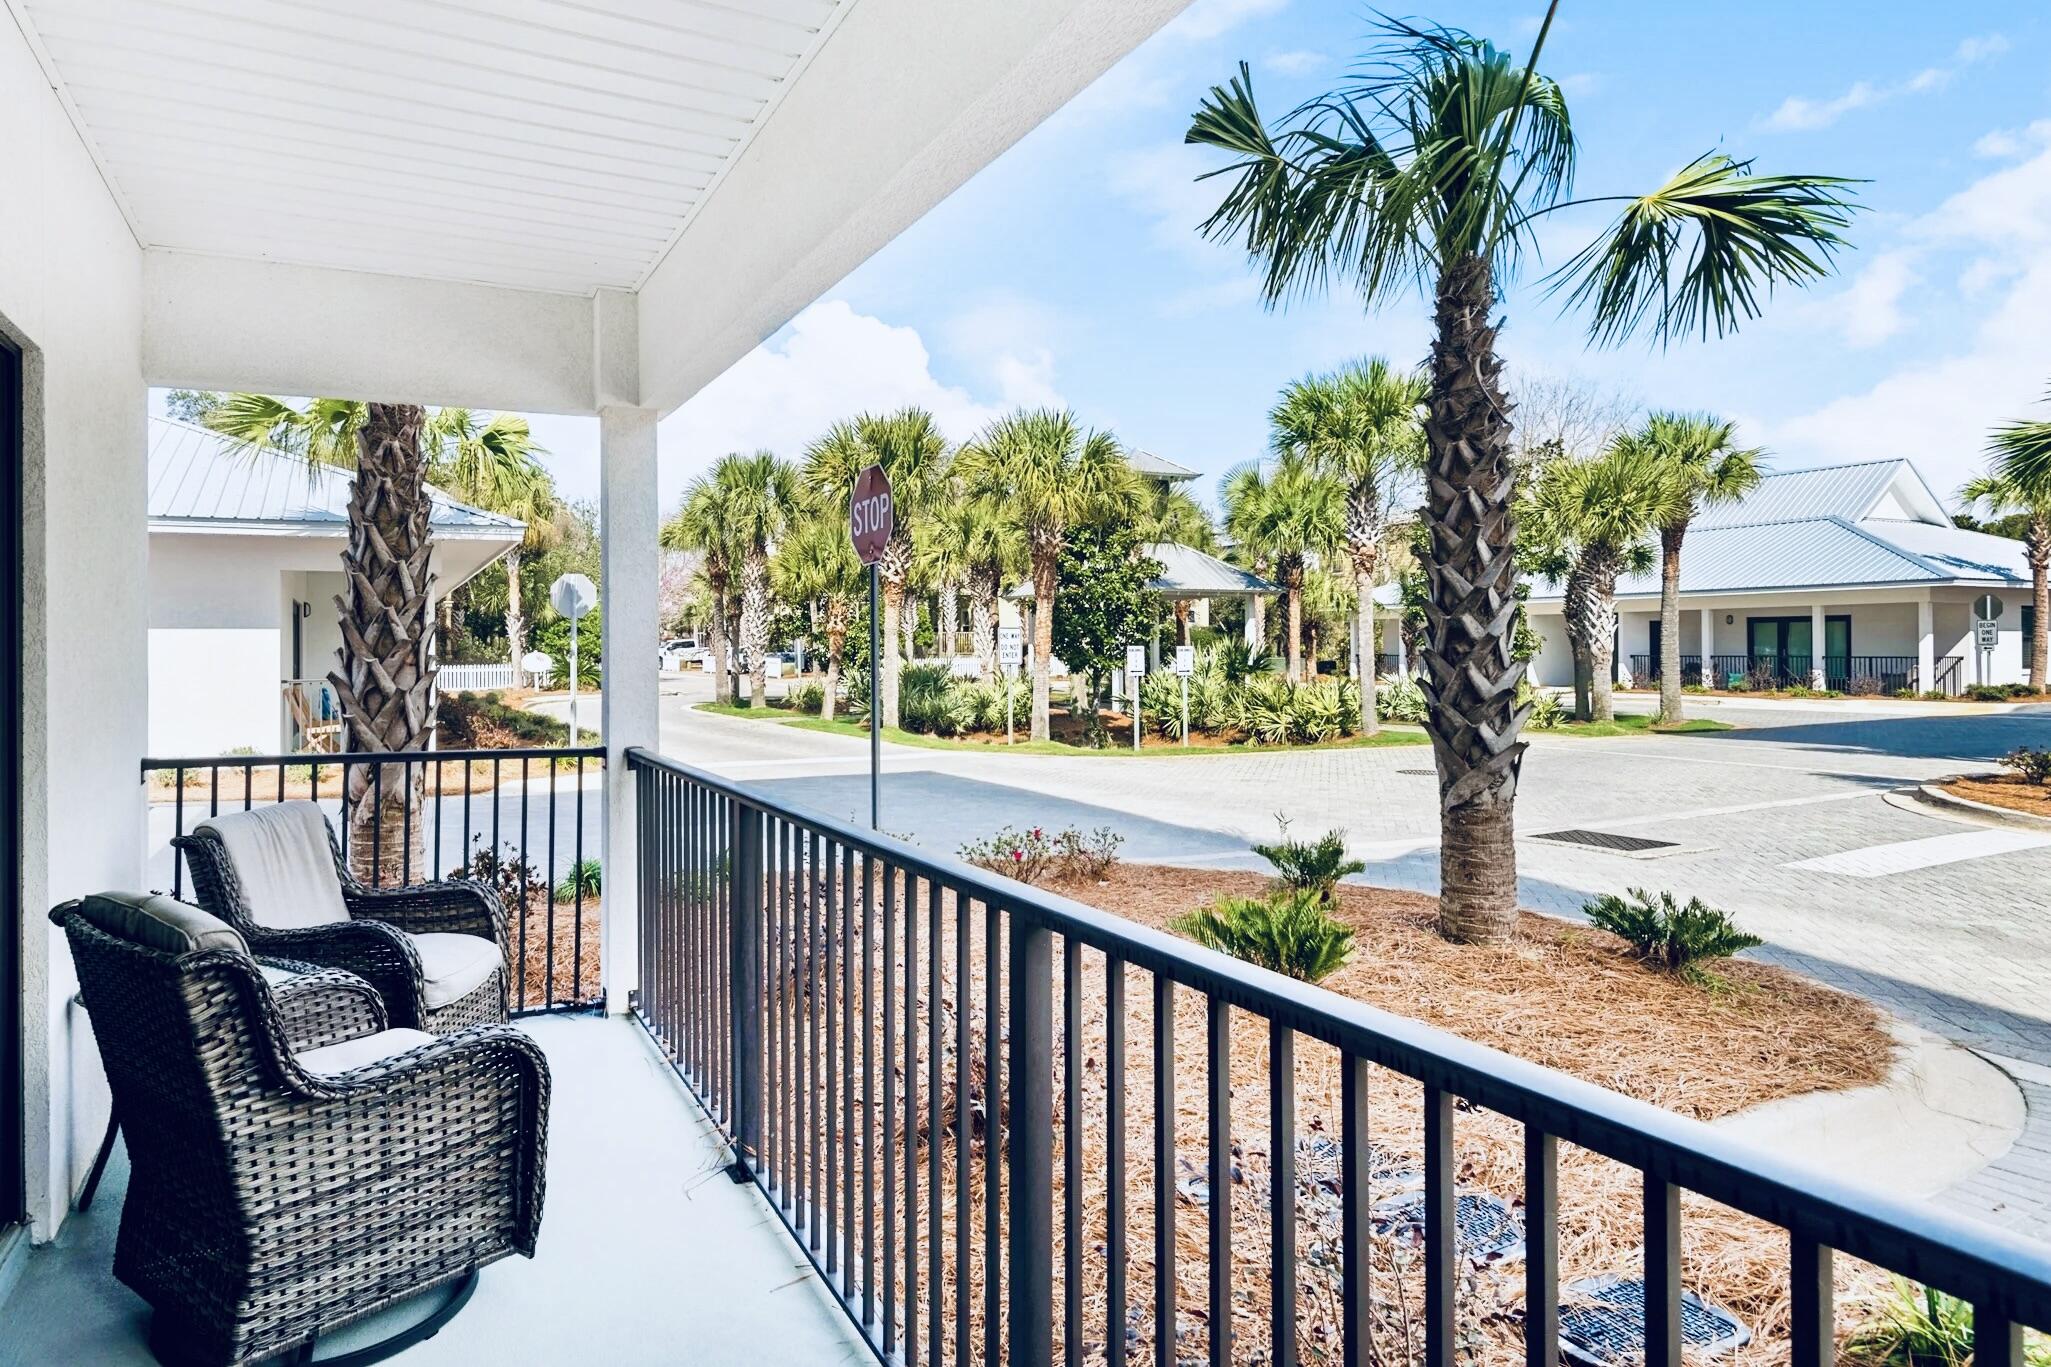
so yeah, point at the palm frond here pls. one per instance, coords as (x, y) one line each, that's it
(1701, 253)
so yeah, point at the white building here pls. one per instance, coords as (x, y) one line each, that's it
(245, 566)
(1847, 577)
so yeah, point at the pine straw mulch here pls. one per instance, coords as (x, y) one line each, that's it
(554, 971)
(2012, 791)
(1565, 996)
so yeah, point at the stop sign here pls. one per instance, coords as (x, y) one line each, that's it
(871, 518)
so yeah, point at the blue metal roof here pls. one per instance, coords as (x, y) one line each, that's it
(1847, 491)
(199, 478)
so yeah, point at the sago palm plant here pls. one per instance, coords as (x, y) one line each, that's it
(1430, 170)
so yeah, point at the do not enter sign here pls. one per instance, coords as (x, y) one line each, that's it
(871, 518)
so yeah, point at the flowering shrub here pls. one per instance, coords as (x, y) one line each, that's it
(1024, 855)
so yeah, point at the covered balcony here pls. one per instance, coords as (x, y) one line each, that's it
(818, 1095)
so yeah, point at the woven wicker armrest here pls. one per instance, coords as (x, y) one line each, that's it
(325, 1006)
(378, 954)
(463, 906)
(480, 1093)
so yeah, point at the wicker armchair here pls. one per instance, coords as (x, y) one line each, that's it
(277, 1191)
(436, 951)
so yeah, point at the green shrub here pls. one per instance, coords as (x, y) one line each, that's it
(1548, 713)
(1290, 933)
(1670, 936)
(474, 721)
(1087, 854)
(1313, 866)
(1987, 692)
(1920, 1326)
(809, 698)
(1402, 700)
(583, 880)
(2032, 764)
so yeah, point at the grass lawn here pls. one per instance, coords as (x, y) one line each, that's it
(1631, 724)
(1155, 746)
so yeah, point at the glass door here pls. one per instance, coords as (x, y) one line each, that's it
(13, 1199)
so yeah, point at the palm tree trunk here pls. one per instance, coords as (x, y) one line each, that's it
(1364, 650)
(1293, 581)
(385, 682)
(893, 610)
(983, 631)
(1470, 677)
(717, 629)
(2039, 551)
(516, 617)
(1578, 611)
(950, 616)
(1670, 623)
(1043, 648)
(755, 624)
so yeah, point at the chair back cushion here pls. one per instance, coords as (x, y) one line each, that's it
(159, 923)
(284, 864)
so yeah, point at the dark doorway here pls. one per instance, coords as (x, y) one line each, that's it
(13, 1200)
(1784, 645)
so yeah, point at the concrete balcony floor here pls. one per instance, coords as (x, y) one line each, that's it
(648, 1253)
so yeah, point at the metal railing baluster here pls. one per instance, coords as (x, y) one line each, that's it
(1071, 1150)
(1441, 1229)
(1812, 1331)
(1218, 1116)
(1355, 1213)
(1114, 1162)
(1541, 1249)
(1282, 1193)
(1164, 1171)
(1031, 1148)
(1662, 1273)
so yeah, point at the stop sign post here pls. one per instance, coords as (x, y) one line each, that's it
(871, 519)
(573, 595)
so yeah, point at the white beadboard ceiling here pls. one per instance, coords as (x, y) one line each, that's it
(539, 144)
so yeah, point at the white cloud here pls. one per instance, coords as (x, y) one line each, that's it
(1937, 410)
(1801, 114)
(1869, 312)
(1299, 62)
(830, 363)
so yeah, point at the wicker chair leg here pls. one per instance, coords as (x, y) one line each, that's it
(166, 1344)
(92, 1180)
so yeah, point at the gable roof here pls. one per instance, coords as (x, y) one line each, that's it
(1155, 467)
(203, 481)
(1187, 572)
(1869, 525)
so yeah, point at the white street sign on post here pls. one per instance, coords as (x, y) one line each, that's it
(1185, 665)
(1986, 636)
(573, 595)
(1135, 670)
(1010, 653)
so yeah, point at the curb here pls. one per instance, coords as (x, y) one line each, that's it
(1986, 813)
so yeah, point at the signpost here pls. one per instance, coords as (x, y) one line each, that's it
(1185, 665)
(871, 518)
(1010, 654)
(1135, 670)
(1986, 635)
(573, 595)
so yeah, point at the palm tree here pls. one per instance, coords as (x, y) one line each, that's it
(700, 524)
(1049, 475)
(1283, 518)
(1432, 169)
(1701, 465)
(2021, 483)
(493, 464)
(1170, 515)
(1597, 516)
(973, 542)
(914, 456)
(384, 679)
(1360, 425)
(757, 496)
(815, 563)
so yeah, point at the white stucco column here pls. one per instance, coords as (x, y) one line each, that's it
(1200, 613)
(1256, 610)
(629, 518)
(1708, 646)
(1816, 674)
(1926, 643)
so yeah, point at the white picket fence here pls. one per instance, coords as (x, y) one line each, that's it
(481, 678)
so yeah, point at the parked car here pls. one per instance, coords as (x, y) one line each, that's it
(679, 651)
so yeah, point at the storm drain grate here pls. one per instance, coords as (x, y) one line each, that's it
(1489, 1231)
(1602, 1323)
(1608, 840)
(1420, 773)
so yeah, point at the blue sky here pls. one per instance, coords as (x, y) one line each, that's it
(1069, 271)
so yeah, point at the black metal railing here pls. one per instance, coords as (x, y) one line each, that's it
(1844, 673)
(1648, 669)
(951, 1087)
(1950, 674)
(518, 819)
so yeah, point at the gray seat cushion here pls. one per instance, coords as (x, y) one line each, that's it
(453, 966)
(284, 864)
(362, 1051)
(157, 922)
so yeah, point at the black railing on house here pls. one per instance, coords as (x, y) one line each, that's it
(930, 1071)
(519, 819)
(1950, 674)
(1844, 673)
(1391, 665)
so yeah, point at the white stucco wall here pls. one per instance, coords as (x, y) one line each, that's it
(70, 293)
